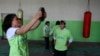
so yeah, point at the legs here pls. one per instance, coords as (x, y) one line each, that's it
(46, 42)
(60, 53)
(53, 45)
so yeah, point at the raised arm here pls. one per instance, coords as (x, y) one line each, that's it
(28, 26)
(44, 15)
(36, 25)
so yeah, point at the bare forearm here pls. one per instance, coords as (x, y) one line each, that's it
(31, 25)
(27, 27)
(36, 25)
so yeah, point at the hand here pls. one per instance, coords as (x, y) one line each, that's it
(38, 14)
(42, 9)
(45, 15)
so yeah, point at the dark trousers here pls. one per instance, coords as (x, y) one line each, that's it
(60, 53)
(53, 45)
(46, 42)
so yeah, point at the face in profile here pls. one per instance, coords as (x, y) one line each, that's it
(20, 22)
(16, 22)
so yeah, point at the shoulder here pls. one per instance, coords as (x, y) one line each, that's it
(11, 32)
(12, 28)
(44, 27)
(67, 30)
(57, 30)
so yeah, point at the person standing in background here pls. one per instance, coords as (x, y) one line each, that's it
(56, 26)
(46, 34)
(63, 40)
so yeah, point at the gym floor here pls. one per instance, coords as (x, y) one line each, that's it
(36, 48)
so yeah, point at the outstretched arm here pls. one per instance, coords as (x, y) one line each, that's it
(36, 25)
(28, 26)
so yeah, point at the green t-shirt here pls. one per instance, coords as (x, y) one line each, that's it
(54, 29)
(19, 46)
(62, 37)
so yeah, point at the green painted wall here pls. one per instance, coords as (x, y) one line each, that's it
(0, 28)
(74, 26)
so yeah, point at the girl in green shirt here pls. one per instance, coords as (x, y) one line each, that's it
(56, 26)
(62, 39)
(15, 34)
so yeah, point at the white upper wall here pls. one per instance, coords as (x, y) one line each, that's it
(56, 9)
